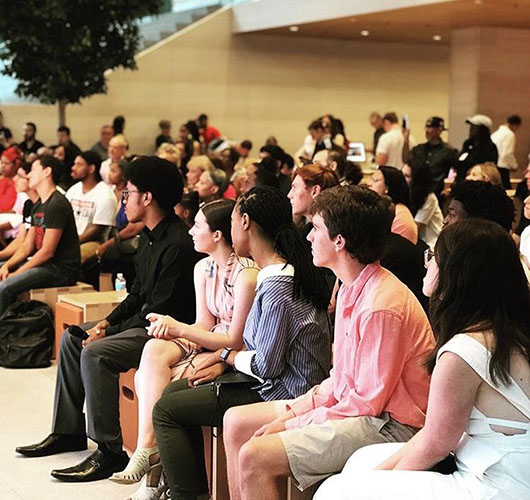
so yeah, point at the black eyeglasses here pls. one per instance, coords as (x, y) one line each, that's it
(126, 192)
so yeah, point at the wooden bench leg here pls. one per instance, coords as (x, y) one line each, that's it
(128, 402)
(215, 463)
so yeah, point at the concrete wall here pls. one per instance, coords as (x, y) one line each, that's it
(490, 74)
(253, 86)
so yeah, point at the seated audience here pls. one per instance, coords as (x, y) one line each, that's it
(117, 254)
(51, 242)
(116, 151)
(188, 207)
(20, 222)
(259, 174)
(224, 289)
(287, 167)
(423, 203)
(6, 137)
(309, 181)
(11, 221)
(390, 181)
(196, 166)
(212, 185)
(165, 133)
(321, 136)
(93, 202)
(479, 404)
(377, 390)
(273, 158)
(189, 135)
(71, 151)
(102, 146)
(88, 369)
(118, 125)
(286, 337)
(170, 153)
(485, 172)
(30, 144)
(10, 162)
(472, 200)
(243, 148)
(208, 132)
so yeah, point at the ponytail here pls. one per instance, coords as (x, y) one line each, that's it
(271, 210)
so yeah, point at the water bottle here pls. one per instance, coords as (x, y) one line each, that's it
(120, 285)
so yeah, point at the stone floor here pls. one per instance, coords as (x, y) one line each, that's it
(26, 402)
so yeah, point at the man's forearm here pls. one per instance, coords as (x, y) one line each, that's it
(93, 232)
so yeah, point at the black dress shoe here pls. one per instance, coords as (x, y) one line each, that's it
(54, 443)
(96, 466)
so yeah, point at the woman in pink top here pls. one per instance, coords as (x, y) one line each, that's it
(224, 289)
(390, 181)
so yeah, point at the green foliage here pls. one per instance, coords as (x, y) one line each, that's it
(59, 50)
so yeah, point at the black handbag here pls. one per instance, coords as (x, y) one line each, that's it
(26, 335)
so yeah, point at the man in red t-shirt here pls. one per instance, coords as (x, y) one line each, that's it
(208, 132)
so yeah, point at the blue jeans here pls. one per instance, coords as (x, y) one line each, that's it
(45, 276)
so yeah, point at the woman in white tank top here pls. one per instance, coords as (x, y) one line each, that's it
(479, 402)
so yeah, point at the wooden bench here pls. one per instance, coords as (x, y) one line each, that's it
(50, 295)
(214, 451)
(77, 308)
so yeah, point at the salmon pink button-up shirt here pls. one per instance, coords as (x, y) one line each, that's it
(382, 339)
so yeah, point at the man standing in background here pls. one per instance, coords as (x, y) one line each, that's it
(504, 139)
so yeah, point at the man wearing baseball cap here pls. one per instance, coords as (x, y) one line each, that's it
(435, 153)
(478, 148)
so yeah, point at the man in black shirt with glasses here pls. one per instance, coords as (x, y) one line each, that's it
(89, 369)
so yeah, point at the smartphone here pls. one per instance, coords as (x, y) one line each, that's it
(77, 332)
(405, 122)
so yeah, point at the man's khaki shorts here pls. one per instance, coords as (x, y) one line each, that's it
(317, 451)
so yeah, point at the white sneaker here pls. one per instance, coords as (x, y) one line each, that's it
(152, 485)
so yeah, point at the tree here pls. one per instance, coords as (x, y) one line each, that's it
(59, 50)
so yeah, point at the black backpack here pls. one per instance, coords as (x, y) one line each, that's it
(26, 335)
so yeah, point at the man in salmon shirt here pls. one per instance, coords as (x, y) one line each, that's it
(377, 390)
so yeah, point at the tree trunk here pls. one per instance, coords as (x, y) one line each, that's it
(62, 111)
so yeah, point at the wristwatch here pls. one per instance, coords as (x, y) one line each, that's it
(225, 353)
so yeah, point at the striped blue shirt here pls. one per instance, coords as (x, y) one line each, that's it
(291, 340)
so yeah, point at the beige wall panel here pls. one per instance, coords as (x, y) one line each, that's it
(253, 86)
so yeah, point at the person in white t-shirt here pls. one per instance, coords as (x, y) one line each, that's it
(117, 150)
(93, 202)
(389, 150)
(504, 139)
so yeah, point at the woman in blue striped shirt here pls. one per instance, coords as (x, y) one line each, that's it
(286, 338)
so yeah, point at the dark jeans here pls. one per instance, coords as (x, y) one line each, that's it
(178, 417)
(37, 277)
(505, 177)
(92, 373)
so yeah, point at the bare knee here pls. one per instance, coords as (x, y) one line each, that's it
(154, 355)
(253, 459)
(233, 421)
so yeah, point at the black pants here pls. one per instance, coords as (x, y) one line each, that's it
(178, 417)
(92, 373)
(505, 177)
